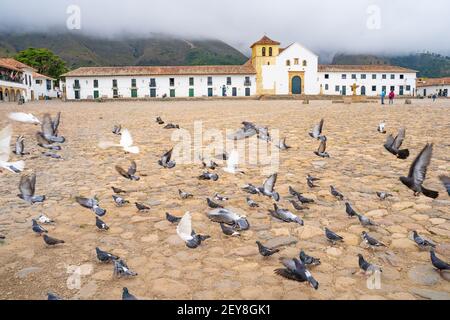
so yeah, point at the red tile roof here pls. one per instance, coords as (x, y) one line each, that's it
(246, 68)
(38, 75)
(433, 82)
(363, 68)
(265, 41)
(14, 64)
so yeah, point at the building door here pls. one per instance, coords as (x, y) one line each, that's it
(32, 95)
(401, 90)
(296, 85)
(77, 95)
(96, 94)
(247, 92)
(1, 95)
(344, 90)
(234, 91)
(172, 93)
(224, 91)
(115, 93)
(363, 90)
(210, 92)
(152, 93)
(191, 92)
(134, 93)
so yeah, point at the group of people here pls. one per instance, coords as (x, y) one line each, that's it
(391, 96)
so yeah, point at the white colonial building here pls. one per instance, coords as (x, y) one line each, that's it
(16, 80)
(436, 86)
(44, 87)
(272, 70)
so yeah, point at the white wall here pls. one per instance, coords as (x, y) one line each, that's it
(429, 90)
(181, 86)
(40, 90)
(335, 78)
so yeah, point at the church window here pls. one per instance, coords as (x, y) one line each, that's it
(264, 51)
(304, 63)
(288, 62)
(296, 61)
(270, 51)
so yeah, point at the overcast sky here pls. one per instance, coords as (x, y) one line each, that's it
(355, 26)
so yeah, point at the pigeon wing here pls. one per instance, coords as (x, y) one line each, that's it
(55, 123)
(418, 168)
(446, 181)
(47, 127)
(269, 184)
(167, 156)
(399, 139)
(24, 117)
(322, 146)
(25, 187)
(389, 141)
(133, 168)
(184, 228)
(122, 172)
(5, 140)
(85, 202)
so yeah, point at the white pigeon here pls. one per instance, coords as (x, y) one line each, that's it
(44, 219)
(381, 127)
(184, 228)
(126, 142)
(24, 117)
(232, 163)
(5, 140)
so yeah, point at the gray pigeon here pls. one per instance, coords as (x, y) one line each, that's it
(51, 155)
(53, 297)
(212, 204)
(116, 129)
(421, 242)
(251, 203)
(209, 176)
(37, 228)
(296, 270)
(184, 195)
(159, 120)
(265, 251)
(49, 130)
(249, 188)
(308, 260)
(332, 237)
(51, 241)
(393, 144)
(366, 266)
(229, 217)
(365, 221)
(20, 148)
(171, 218)
(317, 130)
(100, 224)
(166, 161)
(268, 188)
(298, 206)
(131, 173)
(45, 144)
(229, 231)
(126, 295)
(121, 269)
(438, 263)
(372, 242)
(91, 203)
(27, 187)
(119, 201)
(220, 198)
(336, 193)
(383, 195)
(310, 181)
(141, 207)
(285, 215)
(321, 151)
(104, 256)
(350, 211)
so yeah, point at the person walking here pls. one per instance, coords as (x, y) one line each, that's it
(391, 97)
(383, 95)
(434, 97)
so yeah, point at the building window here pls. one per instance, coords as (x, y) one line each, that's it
(95, 83)
(402, 76)
(392, 88)
(392, 76)
(363, 76)
(383, 88)
(353, 76)
(383, 77)
(327, 76)
(152, 82)
(337, 89)
(38, 81)
(26, 80)
(326, 86)
(296, 61)
(408, 88)
(374, 76)
(49, 84)
(210, 82)
(288, 62)
(264, 51)
(76, 84)
(304, 63)
(247, 81)
(133, 83)
(191, 81)
(171, 82)
(344, 76)
(374, 88)
(270, 51)
(114, 83)
(228, 81)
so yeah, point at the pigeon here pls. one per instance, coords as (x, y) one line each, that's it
(52, 241)
(126, 143)
(27, 187)
(52, 296)
(366, 266)
(91, 203)
(44, 219)
(317, 130)
(310, 181)
(336, 193)
(308, 260)
(251, 203)
(229, 217)
(126, 295)
(121, 269)
(56, 122)
(350, 211)
(417, 173)
(421, 242)
(131, 173)
(209, 176)
(365, 221)
(142, 207)
(297, 206)
(211, 165)
(247, 131)
(20, 148)
(171, 218)
(116, 129)
(159, 121)
(285, 215)
(165, 161)
(45, 144)
(232, 163)
(185, 232)
(393, 144)
(37, 228)
(264, 251)
(249, 188)
(371, 241)
(5, 140)
(229, 231)
(104, 256)
(296, 270)
(383, 195)
(212, 204)
(51, 155)
(117, 190)
(381, 127)
(267, 188)
(220, 198)
(100, 224)
(438, 263)
(446, 182)
(24, 117)
(299, 196)
(184, 195)
(282, 145)
(262, 132)
(322, 147)
(172, 126)
(119, 201)
(49, 130)
(332, 237)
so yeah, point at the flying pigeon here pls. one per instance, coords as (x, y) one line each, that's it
(24, 117)
(232, 163)
(285, 215)
(247, 131)
(251, 203)
(417, 173)
(383, 195)
(52, 241)
(438, 263)
(27, 187)
(332, 237)
(267, 188)
(185, 232)
(126, 295)
(104, 256)
(121, 269)
(421, 242)
(171, 218)
(116, 129)
(350, 211)
(165, 160)
(282, 145)
(308, 260)
(366, 266)
(310, 181)
(297, 206)
(321, 151)
(5, 140)
(296, 270)
(211, 165)
(229, 217)
(229, 231)
(131, 173)
(317, 130)
(119, 201)
(45, 144)
(372, 242)
(209, 176)
(20, 147)
(212, 204)
(249, 188)
(393, 144)
(381, 127)
(159, 121)
(37, 228)
(142, 207)
(100, 224)
(336, 193)
(126, 143)
(184, 195)
(265, 251)
(220, 198)
(446, 182)
(91, 203)
(49, 130)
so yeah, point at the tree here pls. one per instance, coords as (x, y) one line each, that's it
(44, 60)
